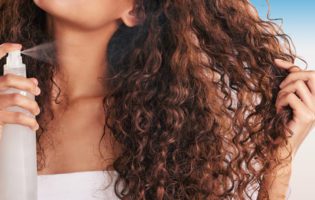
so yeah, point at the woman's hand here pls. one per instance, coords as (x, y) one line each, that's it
(297, 91)
(8, 100)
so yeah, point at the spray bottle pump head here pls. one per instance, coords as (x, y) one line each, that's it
(14, 59)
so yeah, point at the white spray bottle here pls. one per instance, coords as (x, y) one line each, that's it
(18, 166)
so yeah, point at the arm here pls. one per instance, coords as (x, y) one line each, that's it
(298, 92)
(277, 182)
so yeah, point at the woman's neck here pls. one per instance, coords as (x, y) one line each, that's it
(82, 59)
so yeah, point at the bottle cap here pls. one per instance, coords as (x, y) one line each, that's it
(14, 59)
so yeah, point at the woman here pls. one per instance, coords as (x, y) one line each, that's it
(180, 98)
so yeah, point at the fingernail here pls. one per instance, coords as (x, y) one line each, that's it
(17, 45)
(36, 128)
(35, 81)
(295, 69)
(281, 85)
(37, 112)
(37, 90)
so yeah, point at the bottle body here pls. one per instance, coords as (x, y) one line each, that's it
(18, 163)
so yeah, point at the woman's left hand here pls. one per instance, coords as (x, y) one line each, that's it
(297, 91)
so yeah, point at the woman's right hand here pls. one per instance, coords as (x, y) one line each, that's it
(7, 100)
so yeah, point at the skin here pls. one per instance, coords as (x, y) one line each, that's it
(76, 130)
(27, 84)
(78, 124)
(298, 92)
(81, 114)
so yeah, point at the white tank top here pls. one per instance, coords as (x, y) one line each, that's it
(89, 185)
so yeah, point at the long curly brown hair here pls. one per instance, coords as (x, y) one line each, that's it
(191, 96)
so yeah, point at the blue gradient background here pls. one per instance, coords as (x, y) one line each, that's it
(299, 23)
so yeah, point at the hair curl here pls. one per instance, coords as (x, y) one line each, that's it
(191, 97)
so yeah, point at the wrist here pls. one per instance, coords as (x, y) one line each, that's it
(277, 181)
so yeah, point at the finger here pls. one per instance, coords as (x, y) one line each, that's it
(287, 65)
(7, 47)
(7, 117)
(34, 80)
(308, 76)
(298, 107)
(18, 82)
(299, 87)
(16, 99)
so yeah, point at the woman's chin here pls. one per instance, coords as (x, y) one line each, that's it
(72, 16)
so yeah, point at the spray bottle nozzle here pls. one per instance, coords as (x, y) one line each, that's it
(14, 59)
